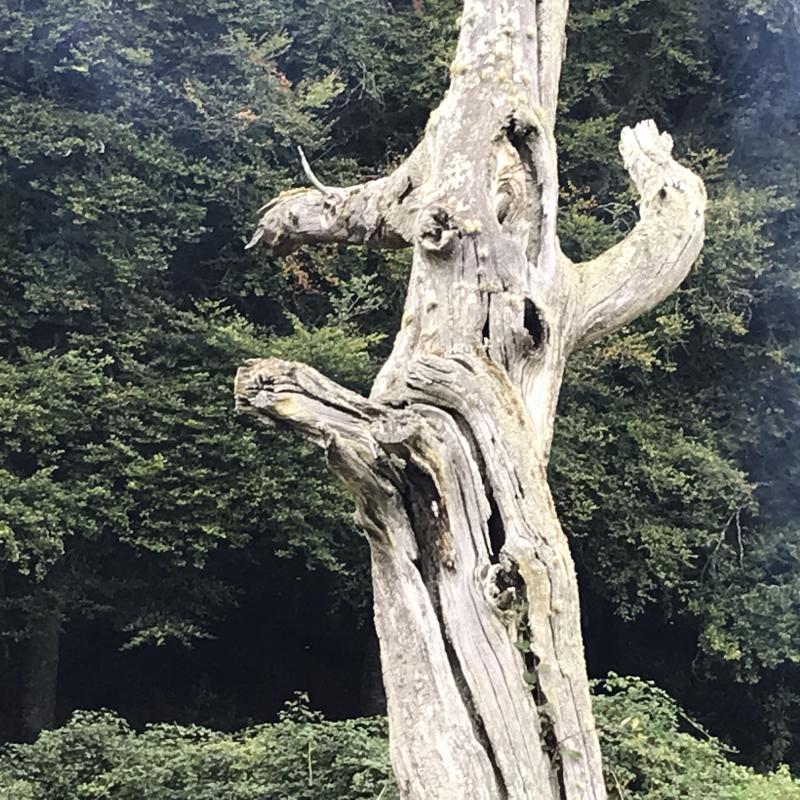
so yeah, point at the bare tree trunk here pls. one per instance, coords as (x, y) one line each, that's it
(476, 600)
(8, 710)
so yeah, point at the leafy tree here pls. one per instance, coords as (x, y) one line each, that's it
(135, 141)
(710, 377)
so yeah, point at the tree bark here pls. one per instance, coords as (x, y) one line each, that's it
(476, 600)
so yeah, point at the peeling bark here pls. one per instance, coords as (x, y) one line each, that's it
(476, 600)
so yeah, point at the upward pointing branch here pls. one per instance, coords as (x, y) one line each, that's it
(315, 181)
(638, 273)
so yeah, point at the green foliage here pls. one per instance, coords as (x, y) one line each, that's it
(675, 454)
(652, 752)
(301, 757)
(110, 456)
(135, 144)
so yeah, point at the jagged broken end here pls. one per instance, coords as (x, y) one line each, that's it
(254, 386)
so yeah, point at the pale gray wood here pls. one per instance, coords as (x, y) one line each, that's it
(447, 459)
(650, 263)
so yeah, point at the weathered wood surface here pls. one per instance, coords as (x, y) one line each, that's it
(476, 601)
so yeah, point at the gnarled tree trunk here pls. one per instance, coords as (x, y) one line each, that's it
(476, 601)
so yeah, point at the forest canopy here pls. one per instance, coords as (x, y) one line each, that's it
(156, 547)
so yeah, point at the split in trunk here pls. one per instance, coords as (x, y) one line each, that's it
(476, 600)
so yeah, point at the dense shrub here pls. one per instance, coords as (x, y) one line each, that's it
(301, 757)
(652, 751)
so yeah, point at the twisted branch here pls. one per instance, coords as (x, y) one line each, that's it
(635, 275)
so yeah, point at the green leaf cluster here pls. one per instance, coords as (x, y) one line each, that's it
(301, 757)
(654, 751)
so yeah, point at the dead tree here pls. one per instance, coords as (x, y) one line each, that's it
(476, 600)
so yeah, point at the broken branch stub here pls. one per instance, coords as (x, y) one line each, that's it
(476, 601)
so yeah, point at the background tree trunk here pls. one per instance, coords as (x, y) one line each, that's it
(476, 600)
(373, 694)
(8, 678)
(38, 698)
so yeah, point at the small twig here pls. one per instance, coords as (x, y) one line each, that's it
(617, 784)
(737, 518)
(739, 537)
(315, 181)
(720, 541)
